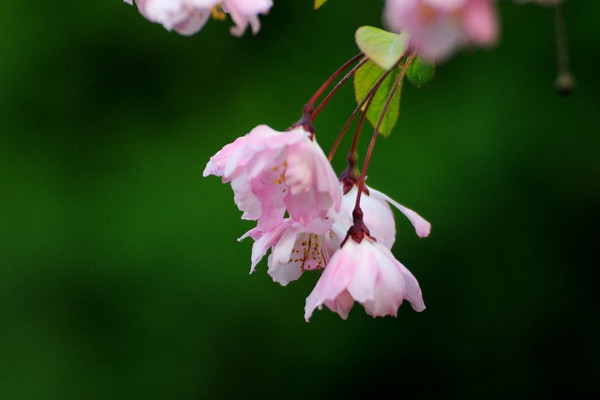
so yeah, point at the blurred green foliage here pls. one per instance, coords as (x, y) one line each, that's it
(120, 274)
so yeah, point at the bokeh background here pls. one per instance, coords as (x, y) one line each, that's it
(120, 273)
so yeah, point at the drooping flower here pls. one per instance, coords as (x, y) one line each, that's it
(438, 27)
(377, 216)
(368, 273)
(187, 17)
(272, 172)
(245, 12)
(294, 248)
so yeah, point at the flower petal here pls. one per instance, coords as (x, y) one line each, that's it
(422, 227)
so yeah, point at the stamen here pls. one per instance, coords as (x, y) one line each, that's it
(217, 13)
(310, 252)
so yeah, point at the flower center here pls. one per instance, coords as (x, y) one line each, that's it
(279, 171)
(309, 252)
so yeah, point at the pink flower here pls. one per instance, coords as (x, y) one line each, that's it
(244, 12)
(294, 248)
(187, 17)
(437, 27)
(272, 172)
(368, 273)
(377, 216)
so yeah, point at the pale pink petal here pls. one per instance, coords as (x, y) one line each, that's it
(338, 232)
(422, 227)
(389, 287)
(245, 199)
(362, 285)
(298, 174)
(333, 281)
(306, 206)
(283, 249)
(340, 305)
(445, 5)
(326, 177)
(249, 7)
(262, 242)
(480, 22)
(438, 39)
(173, 14)
(244, 12)
(377, 215)
(205, 4)
(220, 164)
(413, 291)
(270, 217)
(193, 23)
(313, 185)
(284, 273)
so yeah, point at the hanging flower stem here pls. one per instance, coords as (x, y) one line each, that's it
(308, 110)
(362, 103)
(337, 87)
(332, 78)
(350, 176)
(359, 229)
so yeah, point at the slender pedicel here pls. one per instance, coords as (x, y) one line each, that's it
(337, 87)
(367, 97)
(332, 78)
(358, 230)
(308, 110)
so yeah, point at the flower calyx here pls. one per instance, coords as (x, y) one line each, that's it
(305, 121)
(358, 230)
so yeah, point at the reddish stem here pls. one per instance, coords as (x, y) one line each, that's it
(337, 87)
(365, 167)
(349, 177)
(332, 78)
(367, 97)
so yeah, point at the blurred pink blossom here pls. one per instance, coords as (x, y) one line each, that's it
(438, 27)
(245, 12)
(187, 17)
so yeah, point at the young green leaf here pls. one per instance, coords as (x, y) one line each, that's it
(420, 73)
(319, 3)
(364, 79)
(382, 47)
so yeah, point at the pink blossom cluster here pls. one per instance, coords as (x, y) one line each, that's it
(187, 17)
(284, 181)
(438, 27)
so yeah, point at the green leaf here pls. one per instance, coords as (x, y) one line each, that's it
(420, 73)
(384, 48)
(319, 3)
(364, 79)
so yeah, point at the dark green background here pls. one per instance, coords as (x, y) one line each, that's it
(121, 277)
